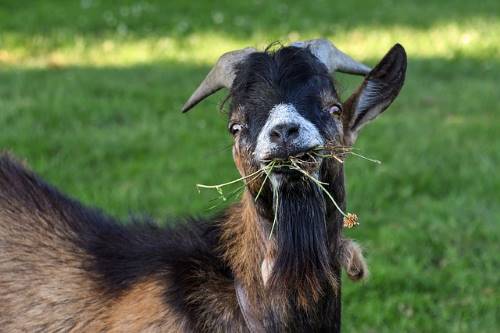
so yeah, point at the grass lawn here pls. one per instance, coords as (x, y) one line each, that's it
(90, 96)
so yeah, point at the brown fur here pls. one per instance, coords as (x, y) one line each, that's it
(352, 260)
(32, 251)
(44, 284)
(217, 304)
(243, 242)
(142, 309)
(246, 247)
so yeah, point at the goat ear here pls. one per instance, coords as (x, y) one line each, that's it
(380, 87)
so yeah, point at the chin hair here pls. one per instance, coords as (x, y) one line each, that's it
(302, 269)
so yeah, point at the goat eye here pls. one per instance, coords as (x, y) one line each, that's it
(334, 109)
(235, 128)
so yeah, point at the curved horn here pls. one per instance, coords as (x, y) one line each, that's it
(334, 59)
(221, 76)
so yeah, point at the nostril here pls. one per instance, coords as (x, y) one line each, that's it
(275, 135)
(293, 132)
(284, 132)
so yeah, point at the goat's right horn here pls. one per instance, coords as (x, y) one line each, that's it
(221, 76)
(334, 59)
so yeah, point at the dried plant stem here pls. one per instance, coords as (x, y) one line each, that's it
(331, 151)
(276, 205)
(350, 220)
(229, 196)
(219, 186)
(321, 185)
(246, 179)
(268, 169)
(337, 158)
(366, 158)
(294, 163)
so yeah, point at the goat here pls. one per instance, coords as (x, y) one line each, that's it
(65, 267)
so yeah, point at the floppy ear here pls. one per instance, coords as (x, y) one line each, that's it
(380, 87)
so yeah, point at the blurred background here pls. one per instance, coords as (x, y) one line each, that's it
(90, 97)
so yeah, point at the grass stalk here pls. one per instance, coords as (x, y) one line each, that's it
(294, 163)
(276, 205)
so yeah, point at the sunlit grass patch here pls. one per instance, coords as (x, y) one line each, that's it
(475, 38)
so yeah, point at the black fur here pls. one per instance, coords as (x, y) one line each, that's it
(303, 263)
(287, 75)
(303, 258)
(307, 227)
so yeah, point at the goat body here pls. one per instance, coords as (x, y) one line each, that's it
(66, 267)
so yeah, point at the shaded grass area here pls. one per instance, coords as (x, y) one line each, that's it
(97, 32)
(89, 128)
(114, 137)
(236, 18)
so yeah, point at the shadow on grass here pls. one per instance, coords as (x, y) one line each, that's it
(238, 19)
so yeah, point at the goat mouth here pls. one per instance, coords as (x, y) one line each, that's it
(294, 164)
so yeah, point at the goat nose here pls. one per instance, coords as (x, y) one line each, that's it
(283, 133)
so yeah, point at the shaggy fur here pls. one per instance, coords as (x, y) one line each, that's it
(65, 267)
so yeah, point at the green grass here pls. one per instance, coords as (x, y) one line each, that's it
(90, 95)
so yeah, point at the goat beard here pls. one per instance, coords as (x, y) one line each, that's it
(302, 271)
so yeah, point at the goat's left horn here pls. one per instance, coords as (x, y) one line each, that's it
(334, 59)
(221, 76)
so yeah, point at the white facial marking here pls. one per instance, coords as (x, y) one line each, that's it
(280, 114)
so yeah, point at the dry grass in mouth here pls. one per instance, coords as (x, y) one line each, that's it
(306, 164)
(339, 153)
